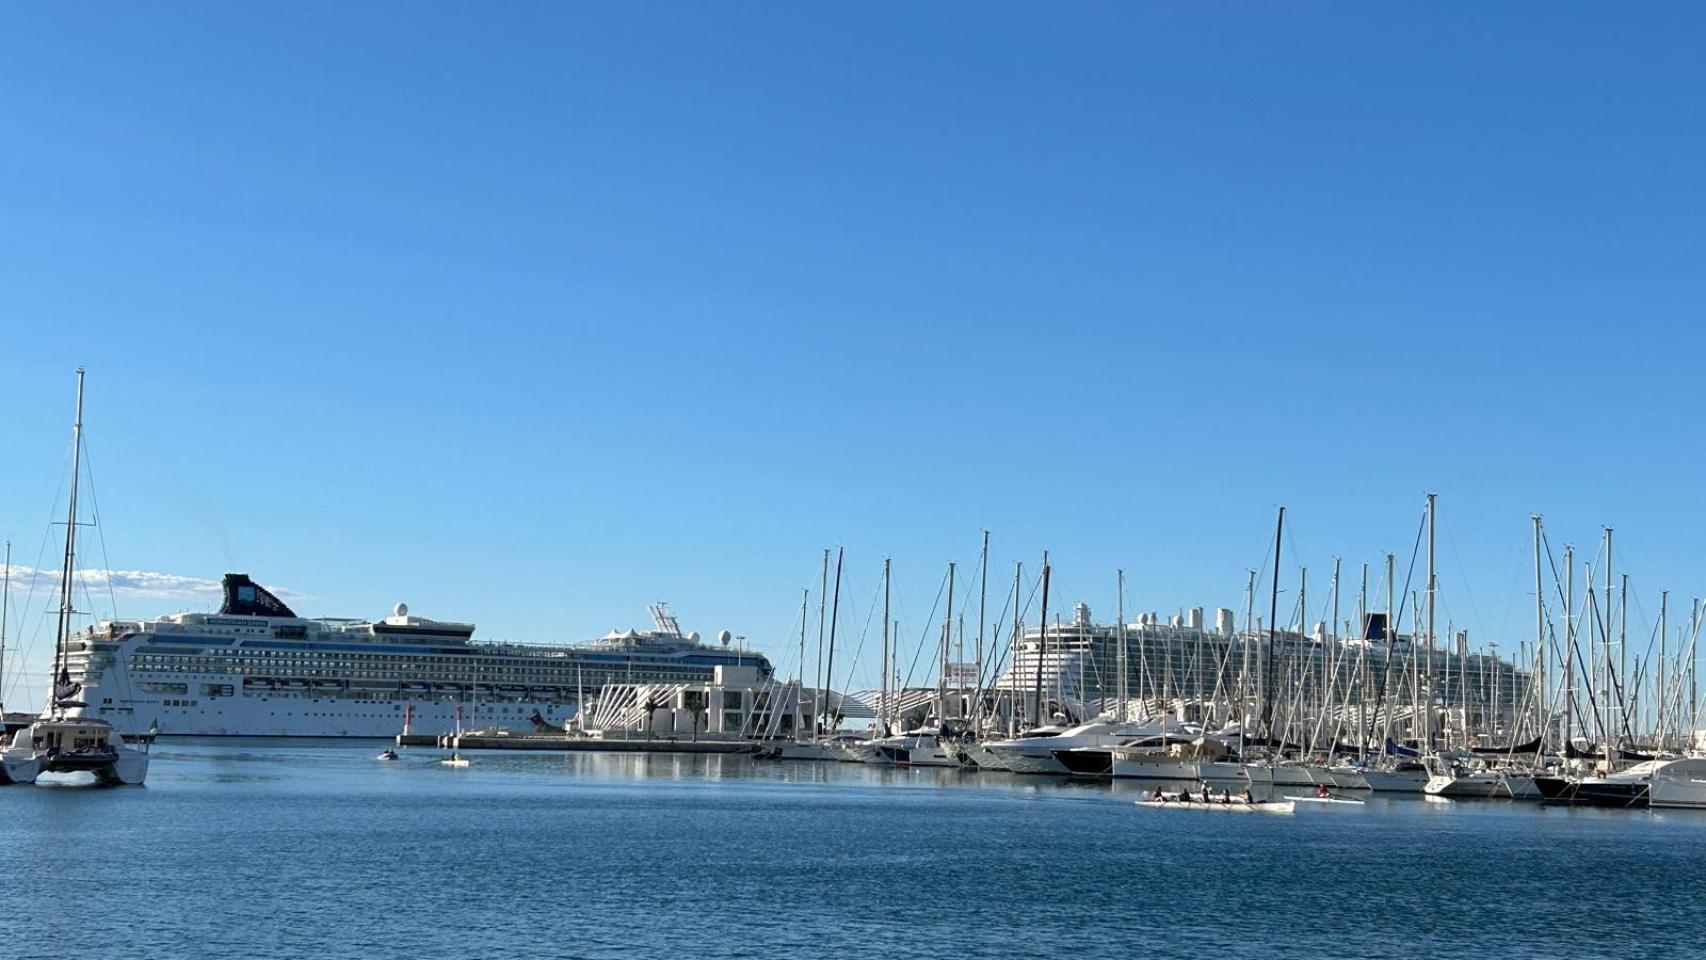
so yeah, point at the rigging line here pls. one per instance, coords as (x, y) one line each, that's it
(924, 638)
(1018, 626)
(1291, 544)
(864, 632)
(100, 528)
(1468, 591)
(992, 670)
(26, 643)
(1409, 577)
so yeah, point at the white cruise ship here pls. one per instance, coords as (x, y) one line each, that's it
(255, 668)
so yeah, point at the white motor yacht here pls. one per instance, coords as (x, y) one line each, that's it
(1204, 759)
(1039, 752)
(1452, 778)
(1031, 751)
(1678, 783)
(924, 747)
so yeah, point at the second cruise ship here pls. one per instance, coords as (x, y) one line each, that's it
(255, 668)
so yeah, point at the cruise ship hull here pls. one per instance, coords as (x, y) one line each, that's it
(250, 715)
(256, 669)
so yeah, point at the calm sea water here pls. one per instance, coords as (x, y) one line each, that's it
(282, 850)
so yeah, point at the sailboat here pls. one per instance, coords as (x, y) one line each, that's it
(62, 740)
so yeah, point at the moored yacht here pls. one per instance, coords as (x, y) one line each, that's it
(60, 741)
(1678, 783)
(1044, 749)
(1205, 759)
(924, 747)
(1451, 778)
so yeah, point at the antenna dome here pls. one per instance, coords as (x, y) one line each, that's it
(402, 610)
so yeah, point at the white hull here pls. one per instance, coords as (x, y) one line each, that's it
(868, 753)
(1036, 755)
(908, 750)
(1238, 806)
(1330, 801)
(72, 747)
(1347, 778)
(1469, 786)
(21, 769)
(1219, 774)
(1307, 775)
(984, 758)
(1520, 786)
(270, 673)
(1023, 761)
(248, 713)
(1395, 781)
(810, 750)
(130, 769)
(1679, 783)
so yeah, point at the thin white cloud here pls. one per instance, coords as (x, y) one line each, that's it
(151, 584)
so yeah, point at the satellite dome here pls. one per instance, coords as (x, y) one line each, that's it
(693, 637)
(723, 637)
(402, 610)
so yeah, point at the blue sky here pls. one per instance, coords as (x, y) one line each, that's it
(531, 315)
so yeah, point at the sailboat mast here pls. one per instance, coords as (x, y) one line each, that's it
(947, 637)
(1392, 652)
(1273, 634)
(1623, 685)
(834, 616)
(1569, 642)
(1120, 638)
(61, 671)
(1663, 691)
(800, 669)
(5, 600)
(1605, 689)
(1427, 713)
(1539, 627)
(1333, 663)
(1362, 667)
(1042, 648)
(1013, 645)
(1302, 636)
(883, 694)
(982, 609)
(822, 597)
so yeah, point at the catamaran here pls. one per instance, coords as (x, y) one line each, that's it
(62, 740)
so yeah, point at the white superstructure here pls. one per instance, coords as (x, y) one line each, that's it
(257, 669)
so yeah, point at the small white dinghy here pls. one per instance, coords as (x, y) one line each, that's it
(455, 760)
(387, 755)
(1175, 801)
(1344, 801)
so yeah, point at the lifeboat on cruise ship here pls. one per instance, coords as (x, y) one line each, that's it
(295, 683)
(514, 689)
(548, 693)
(266, 682)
